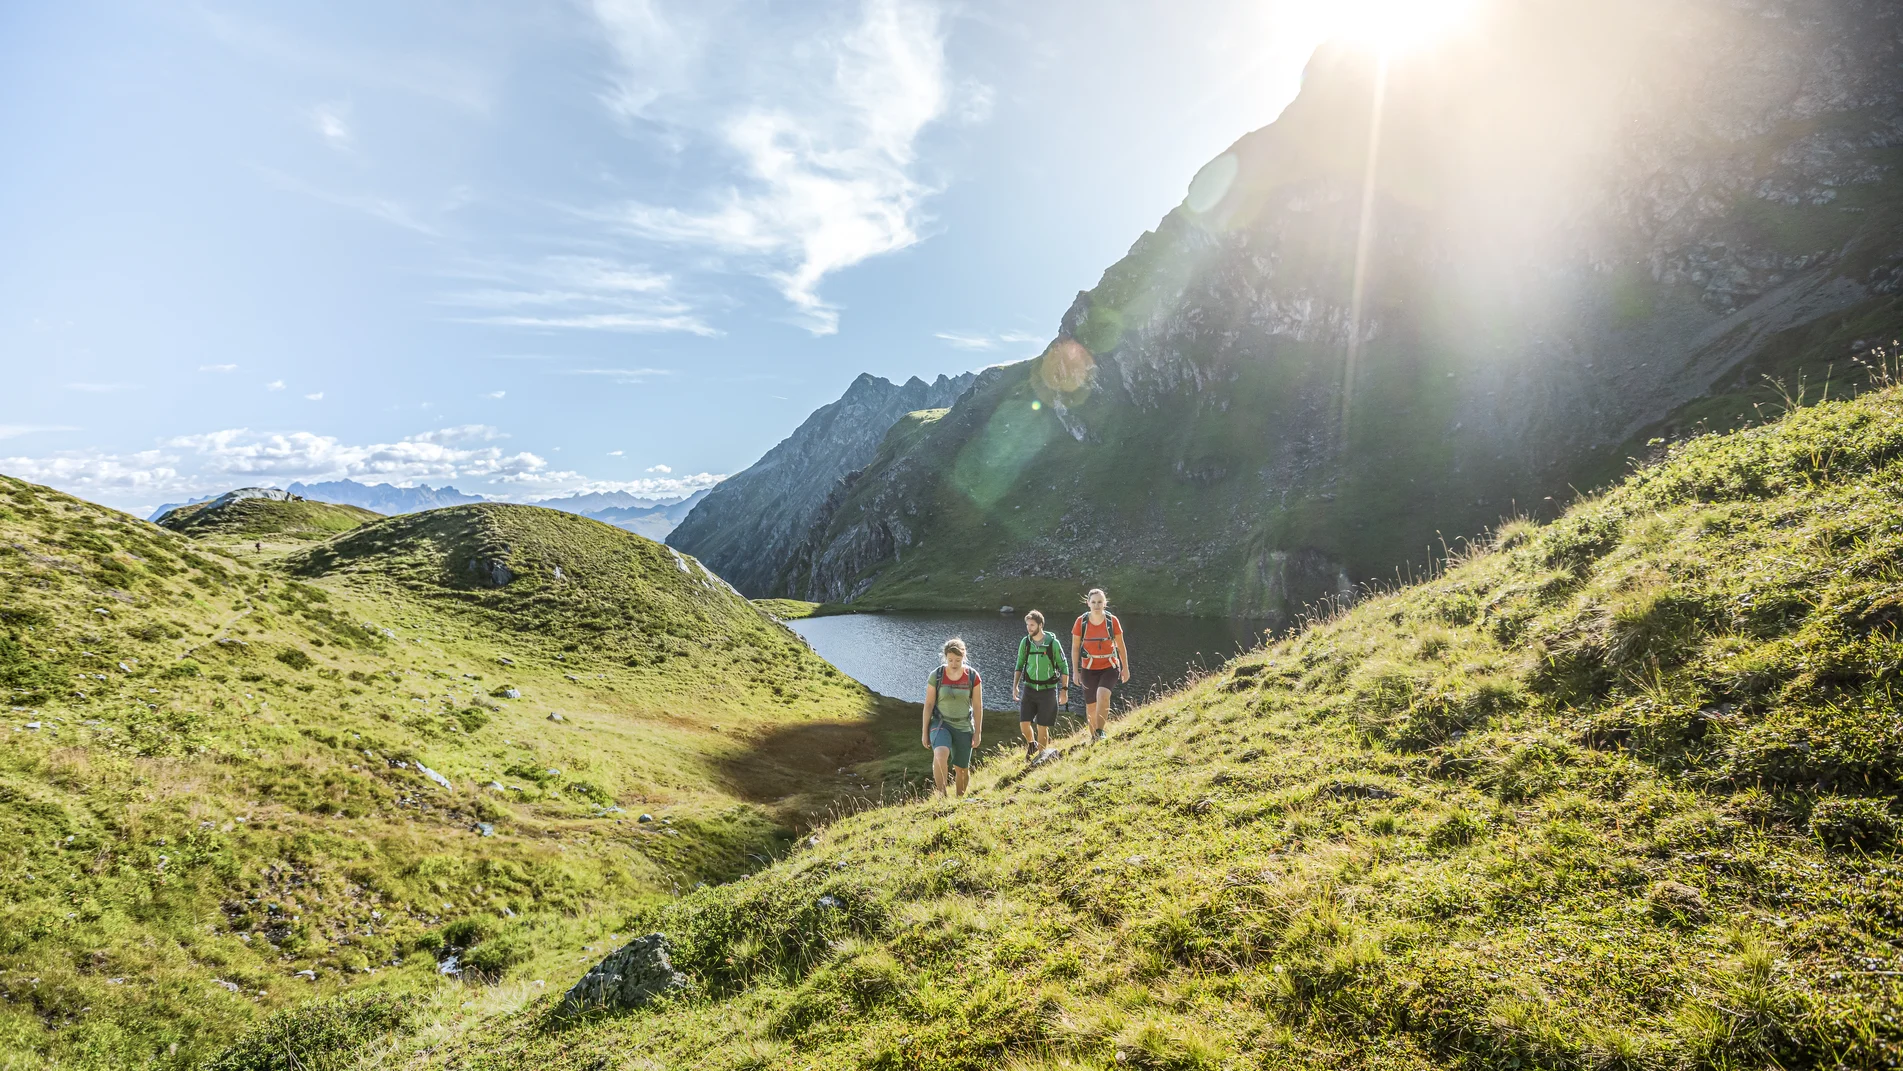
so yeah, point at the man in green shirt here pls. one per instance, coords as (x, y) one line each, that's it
(1042, 674)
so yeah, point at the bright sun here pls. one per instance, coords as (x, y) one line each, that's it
(1393, 25)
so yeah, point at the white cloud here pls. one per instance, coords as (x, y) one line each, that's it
(617, 375)
(968, 341)
(318, 397)
(573, 483)
(92, 474)
(14, 431)
(497, 394)
(576, 293)
(387, 209)
(276, 384)
(660, 468)
(442, 454)
(825, 134)
(618, 453)
(101, 388)
(331, 124)
(218, 368)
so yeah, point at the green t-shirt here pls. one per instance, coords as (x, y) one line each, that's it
(1042, 664)
(953, 706)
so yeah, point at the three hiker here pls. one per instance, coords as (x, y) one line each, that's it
(954, 718)
(1042, 673)
(1103, 660)
(954, 713)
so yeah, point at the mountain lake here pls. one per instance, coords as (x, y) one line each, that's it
(894, 653)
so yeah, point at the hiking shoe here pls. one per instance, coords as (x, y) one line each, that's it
(1030, 750)
(1100, 737)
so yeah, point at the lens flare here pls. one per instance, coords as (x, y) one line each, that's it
(1394, 25)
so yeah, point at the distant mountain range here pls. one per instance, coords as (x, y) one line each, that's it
(650, 517)
(748, 526)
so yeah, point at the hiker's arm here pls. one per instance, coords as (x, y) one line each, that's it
(1123, 658)
(925, 724)
(1017, 675)
(977, 713)
(1063, 669)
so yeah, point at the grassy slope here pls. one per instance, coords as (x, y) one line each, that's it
(224, 784)
(1612, 792)
(255, 518)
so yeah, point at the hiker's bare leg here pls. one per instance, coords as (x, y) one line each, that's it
(1100, 710)
(963, 778)
(1025, 728)
(941, 762)
(1043, 738)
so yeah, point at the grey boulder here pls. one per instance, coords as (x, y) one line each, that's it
(630, 978)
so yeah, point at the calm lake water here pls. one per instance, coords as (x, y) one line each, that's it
(894, 653)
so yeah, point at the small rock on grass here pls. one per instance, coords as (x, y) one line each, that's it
(630, 978)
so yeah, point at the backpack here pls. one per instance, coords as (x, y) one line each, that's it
(1040, 650)
(1099, 651)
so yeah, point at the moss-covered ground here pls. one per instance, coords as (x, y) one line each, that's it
(219, 786)
(1612, 792)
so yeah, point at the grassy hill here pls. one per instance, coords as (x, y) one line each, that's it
(1612, 792)
(233, 783)
(262, 518)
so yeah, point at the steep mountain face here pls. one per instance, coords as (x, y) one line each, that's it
(1432, 294)
(748, 527)
(382, 497)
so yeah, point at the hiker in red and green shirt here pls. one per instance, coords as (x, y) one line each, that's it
(954, 718)
(1042, 675)
(1102, 660)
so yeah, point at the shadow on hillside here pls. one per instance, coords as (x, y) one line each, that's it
(811, 772)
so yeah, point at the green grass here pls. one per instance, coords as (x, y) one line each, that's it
(214, 766)
(255, 518)
(1613, 792)
(787, 609)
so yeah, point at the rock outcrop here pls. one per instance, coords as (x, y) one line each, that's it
(747, 527)
(1432, 294)
(630, 978)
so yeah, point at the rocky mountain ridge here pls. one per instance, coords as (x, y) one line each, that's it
(748, 526)
(1580, 227)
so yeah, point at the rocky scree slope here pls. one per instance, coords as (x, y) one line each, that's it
(747, 527)
(1589, 225)
(226, 789)
(1614, 791)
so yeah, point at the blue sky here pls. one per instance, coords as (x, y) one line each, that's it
(588, 245)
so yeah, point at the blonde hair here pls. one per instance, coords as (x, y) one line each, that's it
(954, 644)
(1093, 592)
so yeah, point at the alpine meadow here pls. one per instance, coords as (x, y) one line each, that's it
(515, 521)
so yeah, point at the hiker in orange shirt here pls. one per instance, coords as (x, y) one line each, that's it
(1103, 661)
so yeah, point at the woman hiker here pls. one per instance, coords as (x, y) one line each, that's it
(954, 717)
(1103, 661)
(1042, 674)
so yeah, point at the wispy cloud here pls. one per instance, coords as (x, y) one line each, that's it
(971, 341)
(660, 468)
(497, 394)
(332, 124)
(276, 384)
(220, 368)
(101, 388)
(576, 293)
(618, 375)
(14, 431)
(618, 453)
(317, 397)
(386, 209)
(825, 136)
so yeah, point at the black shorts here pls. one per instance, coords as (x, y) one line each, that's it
(1094, 679)
(1038, 706)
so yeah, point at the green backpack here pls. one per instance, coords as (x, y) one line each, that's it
(1036, 652)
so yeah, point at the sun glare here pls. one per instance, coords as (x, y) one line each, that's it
(1394, 25)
